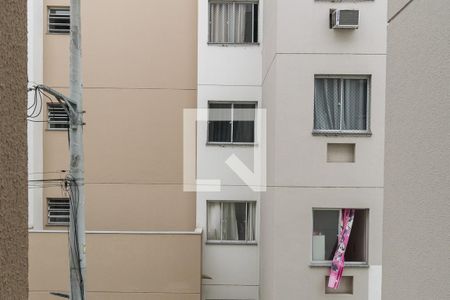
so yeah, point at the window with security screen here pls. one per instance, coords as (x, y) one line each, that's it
(59, 20)
(231, 122)
(341, 104)
(231, 221)
(233, 22)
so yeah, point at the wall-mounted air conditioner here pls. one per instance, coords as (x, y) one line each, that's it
(344, 19)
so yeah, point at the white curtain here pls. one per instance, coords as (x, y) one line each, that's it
(251, 218)
(214, 220)
(355, 104)
(228, 22)
(219, 20)
(327, 113)
(240, 22)
(229, 222)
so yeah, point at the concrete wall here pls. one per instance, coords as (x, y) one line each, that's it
(120, 265)
(300, 45)
(13, 150)
(417, 202)
(139, 73)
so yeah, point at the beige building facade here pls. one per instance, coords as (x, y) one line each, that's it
(139, 73)
(417, 207)
(13, 149)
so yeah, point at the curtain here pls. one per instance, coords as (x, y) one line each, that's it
(229, 22)
(337, 265)
(244, 123)
(355, 104)
(240, 16)
(327, 93)
(229, 222)
(219, 15)
(214, 218)
(251, 218)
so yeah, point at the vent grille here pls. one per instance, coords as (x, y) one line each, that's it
(58, 211)
(57, 117)
(349, 17)
(59, 20)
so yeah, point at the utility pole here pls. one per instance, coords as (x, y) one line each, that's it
(77, 235)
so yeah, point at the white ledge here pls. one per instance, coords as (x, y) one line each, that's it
(197, 231)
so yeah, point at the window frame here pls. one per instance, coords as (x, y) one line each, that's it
(49, 31)
(232, 242)
(367, 131)
(231, 122)
(49, 223)
(254, 42)
(327, 263)
(50, 123)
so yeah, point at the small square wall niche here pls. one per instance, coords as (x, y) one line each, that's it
(345, 286)
(340, 153)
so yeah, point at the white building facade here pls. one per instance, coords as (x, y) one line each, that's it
(229, 82)
(324, 93)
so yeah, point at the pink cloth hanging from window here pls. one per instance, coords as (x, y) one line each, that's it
(337, 265)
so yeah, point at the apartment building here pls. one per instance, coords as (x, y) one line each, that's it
(139, 62)
(324, 91)
(13, 149)
(417, 147)
(229, 88)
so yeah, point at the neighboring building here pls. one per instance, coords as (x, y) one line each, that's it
(417, 203)
(324, 91)
(229, 84)
(139, 73)
(13, 151)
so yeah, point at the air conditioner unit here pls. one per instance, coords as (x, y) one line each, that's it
(344, 19)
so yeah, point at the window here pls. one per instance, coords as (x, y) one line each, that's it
(231, 122)
(233, 22)
(57, 117)
(341, 104)
(231, 221)
(325, 232)
(58, 210)
(59, 19)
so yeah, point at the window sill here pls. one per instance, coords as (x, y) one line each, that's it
(238, 243)
(230, 144)
(234, 44)
(342, 133)
(347, 264)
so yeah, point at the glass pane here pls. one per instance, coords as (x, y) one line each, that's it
(233, 222)
(244, 123)
(356, 247)
(355, 104)
(214, 217)
(219, 16)
(327, 114)
(325, 232)
(219, 124)
(242, 23)
(251, 216)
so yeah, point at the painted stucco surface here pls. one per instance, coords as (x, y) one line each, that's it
(417, 168)
(13, 161)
